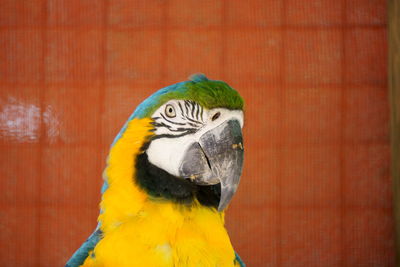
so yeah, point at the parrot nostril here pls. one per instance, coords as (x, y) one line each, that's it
(216, 116)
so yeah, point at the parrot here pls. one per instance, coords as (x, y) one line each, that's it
(171, 172)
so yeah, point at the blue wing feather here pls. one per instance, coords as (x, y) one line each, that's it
(239, 260)
(82, 253)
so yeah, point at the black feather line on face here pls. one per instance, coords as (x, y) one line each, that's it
(189, 131)
(161, 124)
(164, 186)
(193, 108)
(198, 122)
(197, 112)
(193, 125)
(173, 122)
(179, 129)
(187, 107)
(180, 107)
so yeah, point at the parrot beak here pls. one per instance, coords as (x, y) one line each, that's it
(217, 157)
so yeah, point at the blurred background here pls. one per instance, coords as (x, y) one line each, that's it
(316, 189)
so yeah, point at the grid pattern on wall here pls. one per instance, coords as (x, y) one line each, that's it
(316, 187)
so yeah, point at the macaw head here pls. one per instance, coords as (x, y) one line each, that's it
(195, 146)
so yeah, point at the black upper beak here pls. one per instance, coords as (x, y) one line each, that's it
(217, 158)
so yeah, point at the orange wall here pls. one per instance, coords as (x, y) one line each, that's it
(316, 188)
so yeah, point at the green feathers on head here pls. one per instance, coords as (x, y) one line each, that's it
(208, 93)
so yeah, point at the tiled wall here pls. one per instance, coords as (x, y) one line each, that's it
(316, 187)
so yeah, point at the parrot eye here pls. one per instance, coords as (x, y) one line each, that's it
(170, 111)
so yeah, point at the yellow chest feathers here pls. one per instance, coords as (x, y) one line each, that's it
(165, 236)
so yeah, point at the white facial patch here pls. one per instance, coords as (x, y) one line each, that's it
(180, 123)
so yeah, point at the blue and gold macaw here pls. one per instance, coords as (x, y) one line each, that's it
(171, 172)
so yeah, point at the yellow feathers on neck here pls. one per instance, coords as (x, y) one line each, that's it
(123, 198)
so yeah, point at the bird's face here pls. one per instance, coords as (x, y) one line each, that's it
(200, 144)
